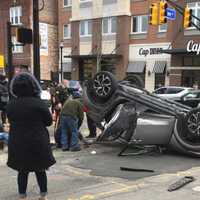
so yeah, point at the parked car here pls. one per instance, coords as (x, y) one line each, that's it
(172, 92)
(192, 99)
(134, 115)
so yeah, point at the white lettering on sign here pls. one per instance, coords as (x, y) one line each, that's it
(150, 51)
(193, 47)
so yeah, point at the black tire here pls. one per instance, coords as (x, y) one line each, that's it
(136, 80)
(104, 85)
(187, 133)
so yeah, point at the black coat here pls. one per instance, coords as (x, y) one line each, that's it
(29, 145)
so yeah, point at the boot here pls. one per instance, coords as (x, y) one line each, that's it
(43, 198)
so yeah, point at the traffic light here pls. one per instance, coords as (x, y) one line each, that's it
(153, 18)
(163, 12)
(24, 35)
(187, 18)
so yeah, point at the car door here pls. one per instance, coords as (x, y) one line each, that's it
(191, 99)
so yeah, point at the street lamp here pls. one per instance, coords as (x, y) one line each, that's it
(61, 60)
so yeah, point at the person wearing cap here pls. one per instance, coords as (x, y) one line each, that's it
(71, 119)
(29, 147)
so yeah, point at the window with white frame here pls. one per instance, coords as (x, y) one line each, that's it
(85, 28)
(84, 1)
(15, 15)
(162, 28)
(109, 25)
(140, 24)
(195, 7)
(17, 47)
(67, 31)
(67, 3)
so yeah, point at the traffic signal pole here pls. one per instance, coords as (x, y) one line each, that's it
(36, 40)
(9, 53)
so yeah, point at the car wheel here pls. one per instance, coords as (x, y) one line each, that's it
(135, 80)
(187, 133)
(104, 84)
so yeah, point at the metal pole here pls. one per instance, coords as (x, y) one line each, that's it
(36, 40)
(9, 52)
(61, 63)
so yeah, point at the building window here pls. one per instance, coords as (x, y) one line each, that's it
(67, 3)
(16, 46)
(85, 28)
(195, 7)
(140, 24)
(109, 25)
(162, 28)
(15, 15)
(67, 31)
(81, 1)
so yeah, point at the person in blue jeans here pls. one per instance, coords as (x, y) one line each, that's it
(71, 118)
(4, 137)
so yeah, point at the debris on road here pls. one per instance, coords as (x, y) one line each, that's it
(180, 183)
(135, 170)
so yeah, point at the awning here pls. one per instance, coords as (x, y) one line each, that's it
(159, 67)
(136, 67)
(67, 67)
(177, 52)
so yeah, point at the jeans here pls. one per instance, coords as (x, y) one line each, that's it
(22, 181)
(91, 126)
(69, 127)
(4, 137)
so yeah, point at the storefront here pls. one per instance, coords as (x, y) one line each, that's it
(147, 61)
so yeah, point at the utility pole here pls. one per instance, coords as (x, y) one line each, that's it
(36, 40)
(9, 52)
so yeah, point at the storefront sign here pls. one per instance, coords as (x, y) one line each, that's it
(43, 39)
(2, 61)
(149, 51)
(193, 47)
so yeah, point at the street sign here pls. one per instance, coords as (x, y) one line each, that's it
(1, 61)
(171, 14)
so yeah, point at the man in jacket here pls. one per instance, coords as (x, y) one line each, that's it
(71, 118)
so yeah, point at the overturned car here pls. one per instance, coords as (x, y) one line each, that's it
(132, 114)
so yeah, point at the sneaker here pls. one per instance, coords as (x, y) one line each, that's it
(75, 149)
(65, 149)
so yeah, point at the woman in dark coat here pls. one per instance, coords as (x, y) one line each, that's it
(29, 145)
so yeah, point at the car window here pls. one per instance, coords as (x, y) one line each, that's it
(191, 95)
(174, 90)
(160, 91)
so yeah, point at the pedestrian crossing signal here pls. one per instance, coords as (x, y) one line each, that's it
(24, 35)
(153, 18)
(163, 12)
(187, 18)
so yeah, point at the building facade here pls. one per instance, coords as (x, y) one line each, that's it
(114, 35)
(19, 13)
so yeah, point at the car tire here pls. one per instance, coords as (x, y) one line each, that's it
(103, 86)
(186, 138)
(136, 80)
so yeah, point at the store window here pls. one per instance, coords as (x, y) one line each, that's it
(67, 31)
(195, 7)
(17, 47)
(191, 61)
(86, 28)
(140, 24)
(15, 15)
(67, 3)
(162, 28)
(109, 25)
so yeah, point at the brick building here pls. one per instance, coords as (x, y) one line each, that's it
(19, 12)
(114, 35)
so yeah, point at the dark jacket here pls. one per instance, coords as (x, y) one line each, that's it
(29, 145)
